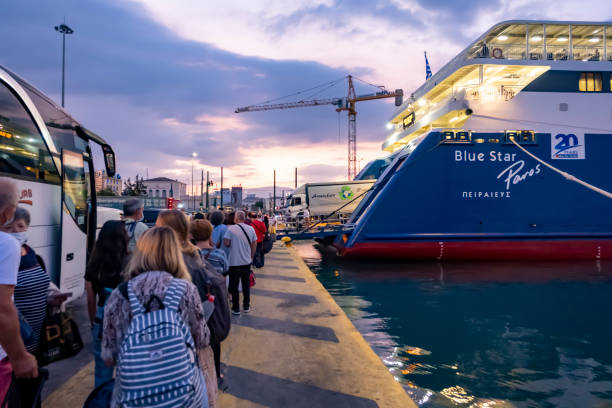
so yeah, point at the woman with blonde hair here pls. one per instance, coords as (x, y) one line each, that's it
(155, 268)
(179, 223)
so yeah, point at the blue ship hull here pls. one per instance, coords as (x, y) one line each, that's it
(484, 198)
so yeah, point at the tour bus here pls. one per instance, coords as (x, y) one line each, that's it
(48, 154)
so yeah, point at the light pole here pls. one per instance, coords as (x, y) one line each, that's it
(193, 156)
(63, 29)
(221, 188)
(208, 183)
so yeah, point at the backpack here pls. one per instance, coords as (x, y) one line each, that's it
(101, 396)
(158, 361)
(129, 228)
(209, 282)
(217, 259)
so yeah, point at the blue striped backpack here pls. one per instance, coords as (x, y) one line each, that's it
(157, 364)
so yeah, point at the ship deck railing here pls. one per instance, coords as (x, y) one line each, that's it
(300, 228)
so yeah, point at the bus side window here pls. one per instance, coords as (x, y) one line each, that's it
(23, 151)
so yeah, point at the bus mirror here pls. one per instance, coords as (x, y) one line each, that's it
(109, 160)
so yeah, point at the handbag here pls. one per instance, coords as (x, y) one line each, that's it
(25, 330)
(26, 393)
(267, 243)
(59, 339)
(252, 279)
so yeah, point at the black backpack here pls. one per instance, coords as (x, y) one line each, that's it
(210, 282)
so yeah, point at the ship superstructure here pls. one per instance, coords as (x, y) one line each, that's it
(469, 177)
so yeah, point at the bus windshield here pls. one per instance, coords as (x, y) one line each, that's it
(60, 125)
(23, 151)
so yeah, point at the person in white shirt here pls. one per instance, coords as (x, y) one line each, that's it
(241, 240)
(13, 356)
(133, 214)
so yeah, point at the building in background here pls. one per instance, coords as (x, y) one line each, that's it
(165, 187)
(215, 199)
(236, 194)
(103, 182)
(253, 203)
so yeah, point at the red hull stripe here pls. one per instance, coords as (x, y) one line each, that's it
(485, 250)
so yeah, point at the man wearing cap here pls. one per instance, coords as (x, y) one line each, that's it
(132, 217)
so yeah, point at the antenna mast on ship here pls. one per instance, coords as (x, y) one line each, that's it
(342, 104)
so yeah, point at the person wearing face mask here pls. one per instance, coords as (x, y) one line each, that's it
(133, 214)
(14, 358)
(32, 292)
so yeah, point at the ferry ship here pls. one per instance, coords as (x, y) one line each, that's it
(505, 153)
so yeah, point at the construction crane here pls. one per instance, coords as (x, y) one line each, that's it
(342, 104)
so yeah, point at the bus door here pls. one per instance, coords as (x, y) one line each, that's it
(74, 223)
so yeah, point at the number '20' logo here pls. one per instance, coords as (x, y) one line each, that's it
(568, 141)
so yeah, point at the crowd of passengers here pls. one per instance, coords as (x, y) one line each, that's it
(157, 299)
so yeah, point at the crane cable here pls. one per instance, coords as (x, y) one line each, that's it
(368, 83)
(564, 174)
(330, 83)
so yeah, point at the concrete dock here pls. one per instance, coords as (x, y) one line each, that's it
(296, 348)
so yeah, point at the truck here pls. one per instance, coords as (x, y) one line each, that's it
(322, 199)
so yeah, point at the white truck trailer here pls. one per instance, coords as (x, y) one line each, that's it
(322, 199)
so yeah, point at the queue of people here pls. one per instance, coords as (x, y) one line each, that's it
(200, 253)
(157, 300)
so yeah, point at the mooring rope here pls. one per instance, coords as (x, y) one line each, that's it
(564, 174)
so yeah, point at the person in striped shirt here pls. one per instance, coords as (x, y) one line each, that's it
(31, 293)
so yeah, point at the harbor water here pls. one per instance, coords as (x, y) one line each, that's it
(482, 334)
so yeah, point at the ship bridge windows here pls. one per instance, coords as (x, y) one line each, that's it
(587, 43)
(608, 36)
(557, 42)
(503, 42)
(590, 82)
(536, 40)
(552, 42)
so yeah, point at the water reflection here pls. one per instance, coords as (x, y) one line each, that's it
(482, 334)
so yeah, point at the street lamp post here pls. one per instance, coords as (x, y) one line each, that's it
(221, 188)
(63, 29)
(193, 156)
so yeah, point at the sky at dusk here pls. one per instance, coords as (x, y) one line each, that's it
(160, 79)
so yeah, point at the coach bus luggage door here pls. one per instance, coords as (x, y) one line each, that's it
(75, 214)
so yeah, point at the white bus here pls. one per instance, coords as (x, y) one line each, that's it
(48, 155)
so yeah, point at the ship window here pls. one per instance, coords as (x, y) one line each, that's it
(557, 42)
(536, 41)
(590, 82)
(587, 42)
(609, 42)
(408, 120)
(503, 42)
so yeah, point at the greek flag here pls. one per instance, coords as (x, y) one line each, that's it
(427, 68)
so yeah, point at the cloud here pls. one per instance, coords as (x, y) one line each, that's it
(383, 40)
(161, 79)
(223, 123)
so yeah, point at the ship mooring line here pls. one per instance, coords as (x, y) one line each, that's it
(539, 123)
(561, 172)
